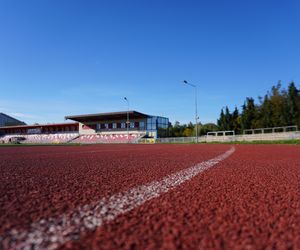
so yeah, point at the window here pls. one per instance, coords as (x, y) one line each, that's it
(123, 125)
(114, 125)
(131, 124)
(106, 125)
(142, 125)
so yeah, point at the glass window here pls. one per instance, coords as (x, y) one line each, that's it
(123, 125)
(114, 125)
(142, 125)
(149, 124)
(106, 125)
(153, 125)
(131, 124)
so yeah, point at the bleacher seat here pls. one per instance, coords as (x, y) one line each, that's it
(111, 138)
(41, 138)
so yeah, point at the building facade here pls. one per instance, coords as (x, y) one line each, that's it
(40, 129)
(114, 123)
(120, 122)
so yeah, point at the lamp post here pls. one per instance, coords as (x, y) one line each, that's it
(127, 122)
(196, 115)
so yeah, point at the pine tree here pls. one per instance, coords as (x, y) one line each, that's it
(236, 121)
(228, 120)
(293, 105)
(248, 114)
(222, 121)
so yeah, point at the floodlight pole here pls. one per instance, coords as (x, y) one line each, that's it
(125, 98)
(196, 109)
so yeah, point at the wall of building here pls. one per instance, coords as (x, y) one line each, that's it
(112, 126)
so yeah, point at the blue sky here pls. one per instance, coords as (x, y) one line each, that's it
(64, 57)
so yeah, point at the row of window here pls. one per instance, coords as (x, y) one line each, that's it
(156, 122)
(115, 125)
(153, 123)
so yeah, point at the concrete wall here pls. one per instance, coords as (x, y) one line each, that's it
(255, 137)
(232, 138)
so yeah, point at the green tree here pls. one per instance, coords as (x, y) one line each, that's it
(248, 114)
(188, 132)
(228, 120)
(265, 113)
(293, 105)
(236, 121)
(222, 121)
(278, 102)
(208, 127)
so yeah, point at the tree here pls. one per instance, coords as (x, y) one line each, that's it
(222, 121)
(228, 120)
(188, 132)
(248, 114)
(265, 113)
(236, 121)
(208, 127)
(293, 105)
(278, 106)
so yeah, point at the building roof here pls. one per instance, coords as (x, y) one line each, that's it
(107, 116)
(40, 125)
(12, 119)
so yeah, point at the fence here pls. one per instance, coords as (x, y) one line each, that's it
(228, 138)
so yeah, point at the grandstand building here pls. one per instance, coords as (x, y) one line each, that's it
(41, 128)
(114, 127)
(6, 120)
(116, 123)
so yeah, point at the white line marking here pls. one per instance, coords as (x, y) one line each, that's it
(53, 232)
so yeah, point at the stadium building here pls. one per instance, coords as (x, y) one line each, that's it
(113, 127)
(6, 120)
(116, 123)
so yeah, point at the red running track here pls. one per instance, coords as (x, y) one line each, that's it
(248, 201)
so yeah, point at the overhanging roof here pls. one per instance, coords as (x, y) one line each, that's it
(39, 125)
(107, 116)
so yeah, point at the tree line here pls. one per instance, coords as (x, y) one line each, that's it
(279, 107)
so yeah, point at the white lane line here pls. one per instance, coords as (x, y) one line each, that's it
(53, 232)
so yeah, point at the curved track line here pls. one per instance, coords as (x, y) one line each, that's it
(53, 232)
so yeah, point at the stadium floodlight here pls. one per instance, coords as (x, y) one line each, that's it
(125, 98)
(196, 112)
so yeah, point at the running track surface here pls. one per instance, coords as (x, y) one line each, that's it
(250, 200)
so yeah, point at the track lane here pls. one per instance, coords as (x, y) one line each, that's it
(52, 232)
(34, 186)
(249, 201)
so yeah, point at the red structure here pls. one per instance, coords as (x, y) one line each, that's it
(41, 129)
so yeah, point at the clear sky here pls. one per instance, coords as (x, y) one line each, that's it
(60, 57)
